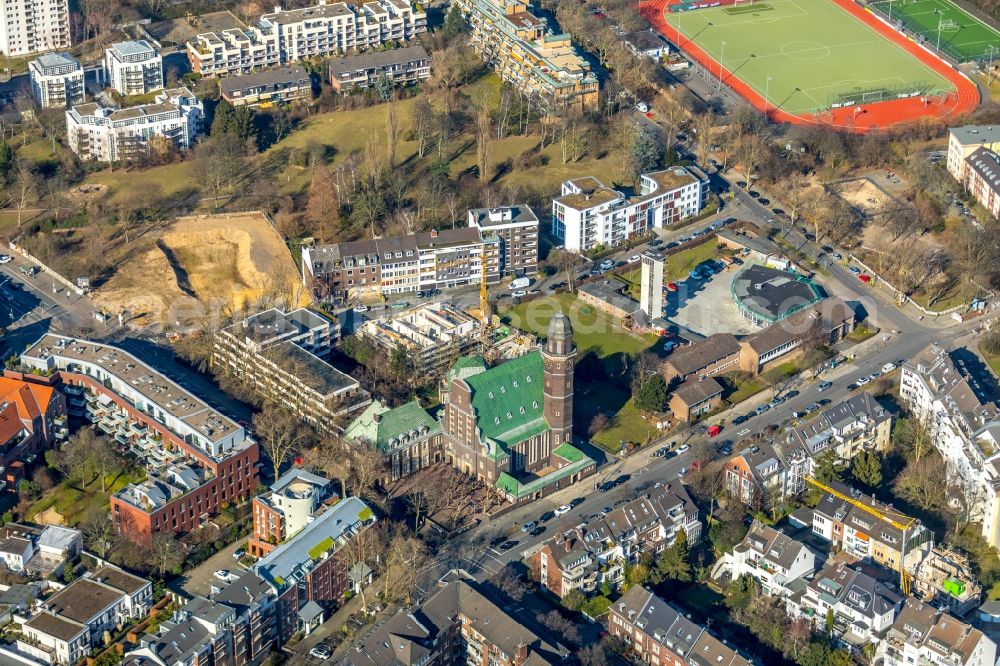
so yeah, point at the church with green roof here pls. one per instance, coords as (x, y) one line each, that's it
(510, 426)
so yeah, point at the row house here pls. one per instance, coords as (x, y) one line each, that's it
(196, 458)
(33, 419)
(288, 36)
(267, 88)
(457, 624)
(96, 132)
(38, 552)
(423, 261)
(235, 624)
(862, 526)
(924, 634)
(524, 51)
(963, 423)
(778, 469)
(862, 607)
(75, 619)
(285, 356)
(598, 551)
(655, 632)
(774, 559)
(589, 214)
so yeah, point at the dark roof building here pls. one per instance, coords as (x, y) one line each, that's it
(714, 355)
(267, 87)
(405, 66)
(764, 295)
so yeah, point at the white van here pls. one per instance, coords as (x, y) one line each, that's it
(519, 283)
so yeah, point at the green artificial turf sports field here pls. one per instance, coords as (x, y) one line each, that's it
(962, 36)
(804, 56)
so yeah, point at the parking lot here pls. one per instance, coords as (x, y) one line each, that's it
(705, 306)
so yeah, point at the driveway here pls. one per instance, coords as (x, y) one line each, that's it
(199, 581)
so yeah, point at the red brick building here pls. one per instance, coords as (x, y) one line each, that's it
(294, 501)
(32, 417)
(196, 458)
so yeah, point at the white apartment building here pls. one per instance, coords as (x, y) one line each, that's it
(134, 68)
(963, 141)
(33, 26)
(99, 133)
(773, 558)
(284, 37)
(588, 213)
(923, 634)
(517, 228)
(56, 80)
(964, 427)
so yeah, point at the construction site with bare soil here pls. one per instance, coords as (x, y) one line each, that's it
(196, 267)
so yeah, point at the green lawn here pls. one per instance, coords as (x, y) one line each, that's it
(805, 55)
(628, 422)
(953, 298)
(76, 505)
(593, 330)
(629, 426)
(962, 36)
(860, 334)
(678, 265)
(993, 361)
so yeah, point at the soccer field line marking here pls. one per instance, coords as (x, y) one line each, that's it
(779, 52)
(864, 84)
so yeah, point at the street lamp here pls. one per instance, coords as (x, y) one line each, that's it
(722, 57)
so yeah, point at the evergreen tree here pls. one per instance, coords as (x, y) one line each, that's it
(828, 468)
(675, 562)
(6, 158)
(644, 154)
(867, 469)
(454, 23)
(238, 121)
(652, 395)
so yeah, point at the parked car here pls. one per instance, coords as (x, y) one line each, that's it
(799, 414)
(656, 242)
(763, 408)
(400, 305)
(27, 270)
(852, 387)
(361, 308)
(837, 256)
(497, 541)
(321, 651)
(741, 184)
(607, 265)
(225, 575)
(742, 418)
(763, 201)
(537, 531)
(855, 270)
(507, 545)
(563, 510)
(634, 258)
(238, 553)
(683, 448)
(547, 516)
(6, 259)
(861, 381)
(755, 194)
(681, 472)
(888, 367)
(824, 386)
(528, 526)
(520, 293)
(812, 407)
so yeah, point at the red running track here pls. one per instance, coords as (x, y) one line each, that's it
(876, 116)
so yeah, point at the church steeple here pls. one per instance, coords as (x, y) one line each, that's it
(559, 356)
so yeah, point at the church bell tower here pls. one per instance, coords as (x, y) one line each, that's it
(559, 356)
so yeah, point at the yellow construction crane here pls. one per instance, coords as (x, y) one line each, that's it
(904, 524)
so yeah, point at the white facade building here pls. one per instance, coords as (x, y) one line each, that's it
(651, 286)
(588, 213)
(284, 37)
(33, 26)
(56, 80)
(774, 559)
(98, 133)
(923, 634)
(964, 427)
(134, 68)
(963, 141)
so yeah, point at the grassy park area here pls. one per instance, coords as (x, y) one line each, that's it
(678, 265)
(73, 505)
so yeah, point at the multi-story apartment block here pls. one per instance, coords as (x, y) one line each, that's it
(863, 607)
(589, 214)
(598, 551)
(434, 336)
(268, 87)
(134, 68)
(894, 540)
(32, 419)
(196, 458)
(964, 426)
(310, 570)
(523, 50)
(407, 66)
(658, 633)
(33, 26)
(287, 36)
(756, 475)
(963, 141)
(408, 437)
(517, 228)
(95, 132)
(457, 624)
(284, 356)
(773, 558)
(430, 260)
(982, 179)
(75, 619)
(294, 501)
(56, 80)
(857, 424)
(923, 634)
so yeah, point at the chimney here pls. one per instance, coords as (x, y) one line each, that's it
(434, 233)
(377, 418)
(522, 654)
